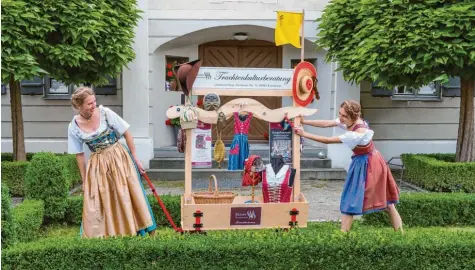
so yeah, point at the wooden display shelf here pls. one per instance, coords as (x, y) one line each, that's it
(218, 216)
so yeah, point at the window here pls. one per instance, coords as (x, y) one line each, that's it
(452, 88)
(170, 84)
(55, 89)
(4, 89)
(430, 92)
(51, 88)
(110, 88)
(35, 86)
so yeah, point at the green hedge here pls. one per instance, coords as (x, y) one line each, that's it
(71, 169)
(321, 246)
(9, 156)
(73, 213)
(438, 172)
(7, 225)
(45, 180)
(28, 217)
(430, 209)
(13, 175)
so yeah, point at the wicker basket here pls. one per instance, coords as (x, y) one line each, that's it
(213, 197)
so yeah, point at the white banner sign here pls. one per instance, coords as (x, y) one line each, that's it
(244, 78)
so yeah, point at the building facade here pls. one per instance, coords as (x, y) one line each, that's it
(186, 30)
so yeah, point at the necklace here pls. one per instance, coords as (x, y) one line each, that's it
(87, 118)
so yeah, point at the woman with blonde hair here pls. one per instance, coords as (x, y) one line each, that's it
(369, 185)
(115, 203)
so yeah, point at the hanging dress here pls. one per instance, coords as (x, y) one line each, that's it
(369, 185)
(275, 182)
(115, 202)
(239, 150)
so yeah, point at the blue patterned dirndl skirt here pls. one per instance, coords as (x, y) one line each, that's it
(238, 152)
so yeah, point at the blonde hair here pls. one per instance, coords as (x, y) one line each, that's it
(79, 95)
(352, 108)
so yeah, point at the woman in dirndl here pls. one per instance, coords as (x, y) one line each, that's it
(369, 185)
(115, 202)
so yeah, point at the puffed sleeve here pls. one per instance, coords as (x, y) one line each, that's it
(75, 146)
(116, 121)
(352, 139)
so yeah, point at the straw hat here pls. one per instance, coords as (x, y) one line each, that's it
(303, 83)
(185, 75)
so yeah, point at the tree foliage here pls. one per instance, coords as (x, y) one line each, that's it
(74, 41)
(406, 43)
(400, 42)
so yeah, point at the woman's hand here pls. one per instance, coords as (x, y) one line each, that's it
(301, 119)
(139, 165)
(299, 131)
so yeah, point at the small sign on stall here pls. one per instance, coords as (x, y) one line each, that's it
(201, 144)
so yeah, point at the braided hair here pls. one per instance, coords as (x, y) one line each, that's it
(352, 108)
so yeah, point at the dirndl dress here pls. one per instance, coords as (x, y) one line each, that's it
(115, 201)
(369, 185)
(239, 150)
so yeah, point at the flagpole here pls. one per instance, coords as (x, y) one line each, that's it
(303, 37)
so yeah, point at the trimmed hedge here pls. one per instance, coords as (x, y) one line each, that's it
(28, 217)
(71, 169)
(7, 225)
(438, 172)
(13, 175)
(430, 209)
(45, 180)
(321, 246)
(73, 214)
(9, 156)
(13, 172)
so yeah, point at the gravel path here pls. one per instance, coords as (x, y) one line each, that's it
(323, 196)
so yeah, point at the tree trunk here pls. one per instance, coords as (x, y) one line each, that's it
(18, 134)
(465, 143)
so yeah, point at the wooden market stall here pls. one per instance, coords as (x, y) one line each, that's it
(225, 216)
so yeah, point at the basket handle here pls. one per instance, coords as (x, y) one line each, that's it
(215, 184)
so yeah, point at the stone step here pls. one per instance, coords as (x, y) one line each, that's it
(230, 176)
(261, 150)
(179, 163)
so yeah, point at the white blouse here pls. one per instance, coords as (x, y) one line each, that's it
(352, 138)
(76, 136)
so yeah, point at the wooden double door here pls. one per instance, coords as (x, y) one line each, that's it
(249, 54)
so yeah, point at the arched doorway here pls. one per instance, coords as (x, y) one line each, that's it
(249, 54)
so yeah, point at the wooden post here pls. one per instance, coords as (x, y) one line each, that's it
(295, 137)
(296, 161)
(188, 167)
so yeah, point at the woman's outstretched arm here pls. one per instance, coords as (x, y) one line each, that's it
(317, 138)
(319, 123)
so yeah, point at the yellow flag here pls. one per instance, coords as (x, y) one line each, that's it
(287, 29)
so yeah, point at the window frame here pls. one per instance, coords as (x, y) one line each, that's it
(56, 96)
(110, 88)
(414, 96)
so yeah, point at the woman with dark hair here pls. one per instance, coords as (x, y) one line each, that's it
(369, 185)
